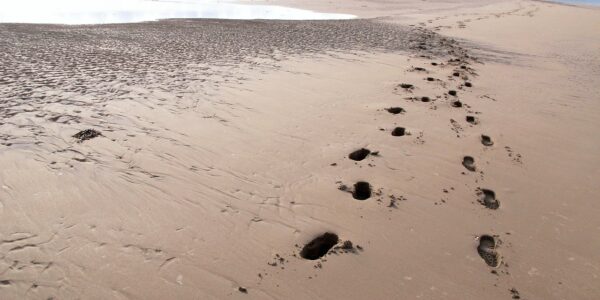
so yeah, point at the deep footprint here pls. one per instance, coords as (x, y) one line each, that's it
(359, 154)
(473, 120)
(399, 131)
(362, 190)
(319, 246)
(395, 110)
(469, 163)
(488, 199)
(486, 140)
(457, 103)
(487, 251)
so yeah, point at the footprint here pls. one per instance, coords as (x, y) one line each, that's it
(399, 131)
(362, 190)
(395, 110)
(469, 163)
(487, 251)
(473, 120)
(359, 154)
(457, 103)
(319, 246)
(486, 140)
(488, 199)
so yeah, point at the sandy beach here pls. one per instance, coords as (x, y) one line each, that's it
(425, 150)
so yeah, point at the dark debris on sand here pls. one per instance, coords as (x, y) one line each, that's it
(87, 134)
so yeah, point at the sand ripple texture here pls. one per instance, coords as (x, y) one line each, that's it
(153, 200)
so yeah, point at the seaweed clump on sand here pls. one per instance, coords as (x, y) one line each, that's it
(87, 134)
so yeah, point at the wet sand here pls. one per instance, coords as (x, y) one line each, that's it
(225, 147)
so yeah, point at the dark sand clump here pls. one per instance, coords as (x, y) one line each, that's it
(87, 134)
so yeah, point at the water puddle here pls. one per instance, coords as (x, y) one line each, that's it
(131, 11)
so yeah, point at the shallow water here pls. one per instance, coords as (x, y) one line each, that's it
(129, 11)
(595, 2)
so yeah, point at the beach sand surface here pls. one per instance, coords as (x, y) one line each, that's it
(223, 151)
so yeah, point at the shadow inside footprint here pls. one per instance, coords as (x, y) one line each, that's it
(457, 103)
(425, 99)
(395, 110)
(486, 140)
(487, 251)
(473, 120)
(362, 190)
(319, 246)
(399, 131)
(452, 93)
(407, 86)
(488, 199)
(469, 163)
(359, 154)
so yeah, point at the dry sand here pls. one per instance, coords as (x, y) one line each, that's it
(225, 149)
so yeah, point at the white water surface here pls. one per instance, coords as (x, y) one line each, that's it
(130, 11)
